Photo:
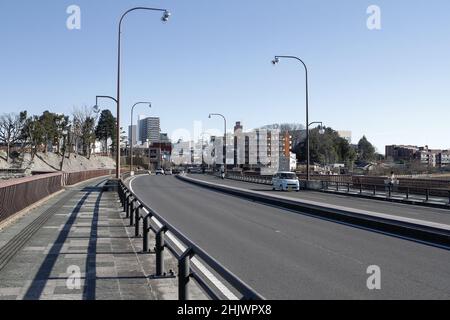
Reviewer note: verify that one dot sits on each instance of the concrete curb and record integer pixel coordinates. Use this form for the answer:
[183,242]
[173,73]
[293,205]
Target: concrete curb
[394,200]
[418,230]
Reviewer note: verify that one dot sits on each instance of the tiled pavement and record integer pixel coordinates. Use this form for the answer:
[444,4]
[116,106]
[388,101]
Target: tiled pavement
[83,252]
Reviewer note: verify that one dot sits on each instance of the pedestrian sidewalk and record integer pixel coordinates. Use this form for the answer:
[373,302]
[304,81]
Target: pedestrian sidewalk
[76,246]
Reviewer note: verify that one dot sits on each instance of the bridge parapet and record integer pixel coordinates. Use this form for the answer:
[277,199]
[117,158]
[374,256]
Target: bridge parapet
[18,194]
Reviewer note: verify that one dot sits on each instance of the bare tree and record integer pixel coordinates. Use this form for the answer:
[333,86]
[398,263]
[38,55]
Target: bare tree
[11,126]
[84,120]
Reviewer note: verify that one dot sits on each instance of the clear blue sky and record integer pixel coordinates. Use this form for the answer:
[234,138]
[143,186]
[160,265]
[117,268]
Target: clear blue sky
[393,85]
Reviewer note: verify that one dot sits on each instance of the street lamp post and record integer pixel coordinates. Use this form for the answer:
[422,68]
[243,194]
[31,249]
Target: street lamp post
[276,61]
[131,128]
[165,18]
[224,139]
[97,110]
[65,133]
[322,128]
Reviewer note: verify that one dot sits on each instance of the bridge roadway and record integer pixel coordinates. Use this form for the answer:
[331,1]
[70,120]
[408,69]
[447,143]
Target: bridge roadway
[393,208]
[287,255]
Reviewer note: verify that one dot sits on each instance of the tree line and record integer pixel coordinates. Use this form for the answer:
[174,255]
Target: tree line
[57,132]
[329,148]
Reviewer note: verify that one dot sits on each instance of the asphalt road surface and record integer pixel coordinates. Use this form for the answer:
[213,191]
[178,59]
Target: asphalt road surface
[287,255]
[393,208]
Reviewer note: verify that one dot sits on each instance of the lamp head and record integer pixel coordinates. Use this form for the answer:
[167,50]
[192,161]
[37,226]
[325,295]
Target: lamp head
[322,130]
[209,116]
[166,16]
[275,61]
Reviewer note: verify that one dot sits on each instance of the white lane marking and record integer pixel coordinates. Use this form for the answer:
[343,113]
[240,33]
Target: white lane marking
[212,278]
[131,184]
[219,285]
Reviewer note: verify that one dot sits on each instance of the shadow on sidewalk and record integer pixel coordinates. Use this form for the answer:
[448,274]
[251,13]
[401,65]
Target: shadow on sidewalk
[38,284]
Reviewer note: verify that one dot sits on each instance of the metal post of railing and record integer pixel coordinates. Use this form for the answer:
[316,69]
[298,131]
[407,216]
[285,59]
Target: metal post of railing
[124,197]
[348,187]
[375,190]
[184,274]
[390,191]
[159,250]
[428,194]
[121,193]
[131,211]
[360,188]
[337,186]
[407,193]
[136,219]
[449,197]
[145,231]
[127,204]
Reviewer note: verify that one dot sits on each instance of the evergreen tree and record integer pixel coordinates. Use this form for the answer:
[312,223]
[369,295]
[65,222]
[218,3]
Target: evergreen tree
[106,128]
[327,148]
[366,151]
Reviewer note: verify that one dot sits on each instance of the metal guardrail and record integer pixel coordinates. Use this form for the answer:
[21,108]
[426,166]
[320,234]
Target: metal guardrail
[251,179]
[191,258]
[390,191]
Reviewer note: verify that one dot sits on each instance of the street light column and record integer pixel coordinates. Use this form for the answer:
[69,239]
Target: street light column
[164,18]
[97,108]
[276,61]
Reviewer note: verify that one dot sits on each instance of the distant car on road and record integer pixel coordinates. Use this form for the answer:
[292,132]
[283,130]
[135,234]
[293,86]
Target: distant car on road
[159,172]
[168,172]
[195,170]
[286,181]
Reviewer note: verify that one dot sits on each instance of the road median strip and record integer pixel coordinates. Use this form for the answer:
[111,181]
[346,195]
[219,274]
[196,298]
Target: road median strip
[419,230]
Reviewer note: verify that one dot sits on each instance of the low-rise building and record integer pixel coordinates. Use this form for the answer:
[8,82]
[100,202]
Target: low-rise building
[424,155]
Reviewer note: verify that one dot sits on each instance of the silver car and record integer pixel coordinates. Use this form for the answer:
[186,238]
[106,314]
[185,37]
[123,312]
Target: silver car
[285,181]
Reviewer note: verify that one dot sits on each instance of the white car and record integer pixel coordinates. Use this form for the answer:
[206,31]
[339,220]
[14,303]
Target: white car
[159,172]
[286,181]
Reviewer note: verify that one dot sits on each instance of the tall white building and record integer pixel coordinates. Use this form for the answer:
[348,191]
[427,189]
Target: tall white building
[345,134]
[132,135]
